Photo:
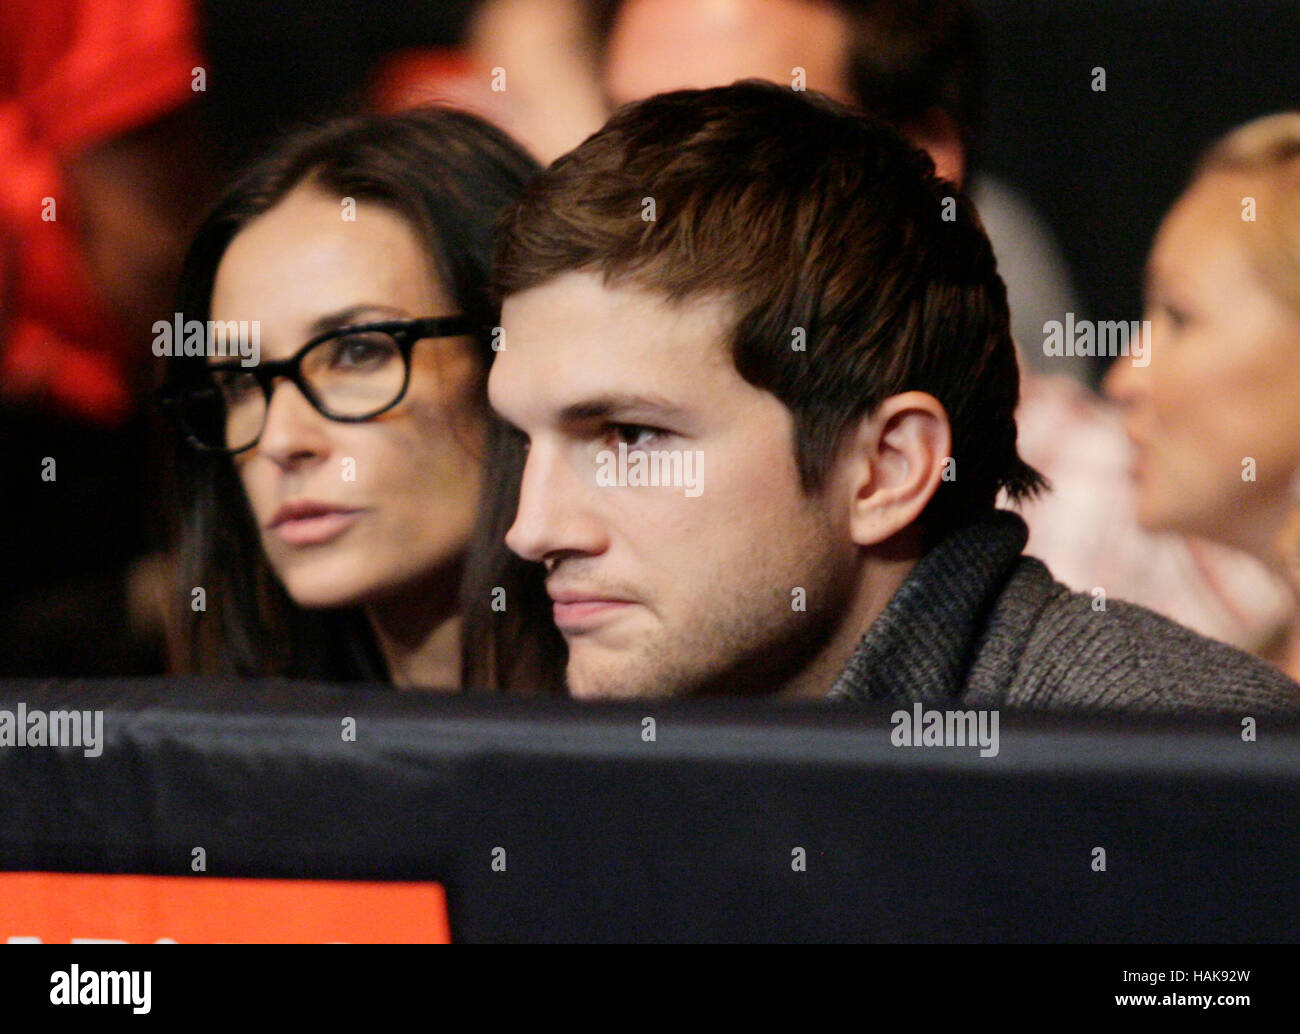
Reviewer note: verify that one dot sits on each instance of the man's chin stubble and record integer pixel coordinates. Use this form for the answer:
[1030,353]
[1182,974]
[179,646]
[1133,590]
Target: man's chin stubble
[762,673]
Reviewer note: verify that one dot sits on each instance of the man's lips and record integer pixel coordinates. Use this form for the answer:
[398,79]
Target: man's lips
[575,612]
[311,523]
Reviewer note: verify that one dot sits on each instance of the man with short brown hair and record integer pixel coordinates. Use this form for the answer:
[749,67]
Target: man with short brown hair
[762,360]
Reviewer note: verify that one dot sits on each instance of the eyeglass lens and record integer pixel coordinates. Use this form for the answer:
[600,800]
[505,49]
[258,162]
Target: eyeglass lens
[352,375]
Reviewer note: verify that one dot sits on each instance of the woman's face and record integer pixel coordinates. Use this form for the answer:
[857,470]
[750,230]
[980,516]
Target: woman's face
[404,485]
[1215,417]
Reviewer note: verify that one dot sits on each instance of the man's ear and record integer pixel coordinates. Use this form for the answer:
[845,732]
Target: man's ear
[893,465]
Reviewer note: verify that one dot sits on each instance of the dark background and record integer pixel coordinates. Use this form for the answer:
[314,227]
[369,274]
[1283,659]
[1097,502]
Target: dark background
[1104,167]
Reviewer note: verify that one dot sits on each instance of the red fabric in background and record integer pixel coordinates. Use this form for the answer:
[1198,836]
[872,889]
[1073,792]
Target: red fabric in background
[73,73]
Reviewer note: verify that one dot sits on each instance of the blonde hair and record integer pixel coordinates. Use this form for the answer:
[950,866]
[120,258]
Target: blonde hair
[1269,149]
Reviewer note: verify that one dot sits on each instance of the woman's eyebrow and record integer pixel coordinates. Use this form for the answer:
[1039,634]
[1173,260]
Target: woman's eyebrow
[354,314]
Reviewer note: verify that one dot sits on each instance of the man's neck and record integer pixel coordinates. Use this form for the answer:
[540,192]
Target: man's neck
[879,580]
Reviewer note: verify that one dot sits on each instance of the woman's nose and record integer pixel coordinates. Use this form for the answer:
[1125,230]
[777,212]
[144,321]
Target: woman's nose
[293,431]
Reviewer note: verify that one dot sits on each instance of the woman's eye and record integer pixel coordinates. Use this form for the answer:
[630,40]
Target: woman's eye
[236,387]
[362,351]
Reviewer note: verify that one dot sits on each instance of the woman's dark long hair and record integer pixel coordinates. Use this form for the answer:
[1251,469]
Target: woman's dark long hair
[448,174]
[509,642]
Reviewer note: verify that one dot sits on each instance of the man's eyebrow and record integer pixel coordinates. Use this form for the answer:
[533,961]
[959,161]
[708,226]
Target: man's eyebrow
[363,313]
[603,407]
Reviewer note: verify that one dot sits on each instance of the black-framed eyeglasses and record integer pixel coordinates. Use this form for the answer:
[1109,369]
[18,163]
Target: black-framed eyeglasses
[349,374]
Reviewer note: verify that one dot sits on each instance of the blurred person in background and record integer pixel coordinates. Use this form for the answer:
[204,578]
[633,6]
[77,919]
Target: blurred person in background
[549,71]
[529,66]
[918,63]
[1215,417]
[329,490]
[106,169]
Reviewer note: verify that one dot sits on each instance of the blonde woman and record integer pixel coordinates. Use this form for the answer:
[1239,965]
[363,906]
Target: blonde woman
[1215,417]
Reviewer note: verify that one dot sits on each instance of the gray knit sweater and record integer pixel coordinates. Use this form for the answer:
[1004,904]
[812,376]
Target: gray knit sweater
[978,625]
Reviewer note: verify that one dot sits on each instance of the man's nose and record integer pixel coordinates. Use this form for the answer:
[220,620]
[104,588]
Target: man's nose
[555,517]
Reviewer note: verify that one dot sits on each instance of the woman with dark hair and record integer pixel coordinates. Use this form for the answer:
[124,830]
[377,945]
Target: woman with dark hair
[331,465]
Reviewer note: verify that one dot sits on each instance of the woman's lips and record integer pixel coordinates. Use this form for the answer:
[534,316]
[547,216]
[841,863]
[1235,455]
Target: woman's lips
[315,529]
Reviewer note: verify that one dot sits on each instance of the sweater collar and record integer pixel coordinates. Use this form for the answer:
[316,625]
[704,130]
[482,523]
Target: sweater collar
[923,642]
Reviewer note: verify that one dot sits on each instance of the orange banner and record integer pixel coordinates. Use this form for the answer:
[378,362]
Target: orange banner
[76,908]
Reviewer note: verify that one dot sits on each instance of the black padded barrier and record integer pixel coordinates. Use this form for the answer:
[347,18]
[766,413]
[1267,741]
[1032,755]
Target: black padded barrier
[606,834]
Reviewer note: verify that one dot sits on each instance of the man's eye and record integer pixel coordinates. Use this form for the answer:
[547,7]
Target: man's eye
[633,435]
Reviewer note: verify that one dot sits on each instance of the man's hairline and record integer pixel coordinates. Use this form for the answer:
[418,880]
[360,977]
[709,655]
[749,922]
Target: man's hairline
[614,278]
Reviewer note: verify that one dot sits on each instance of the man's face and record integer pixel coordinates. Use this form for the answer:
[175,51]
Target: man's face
[662,589]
